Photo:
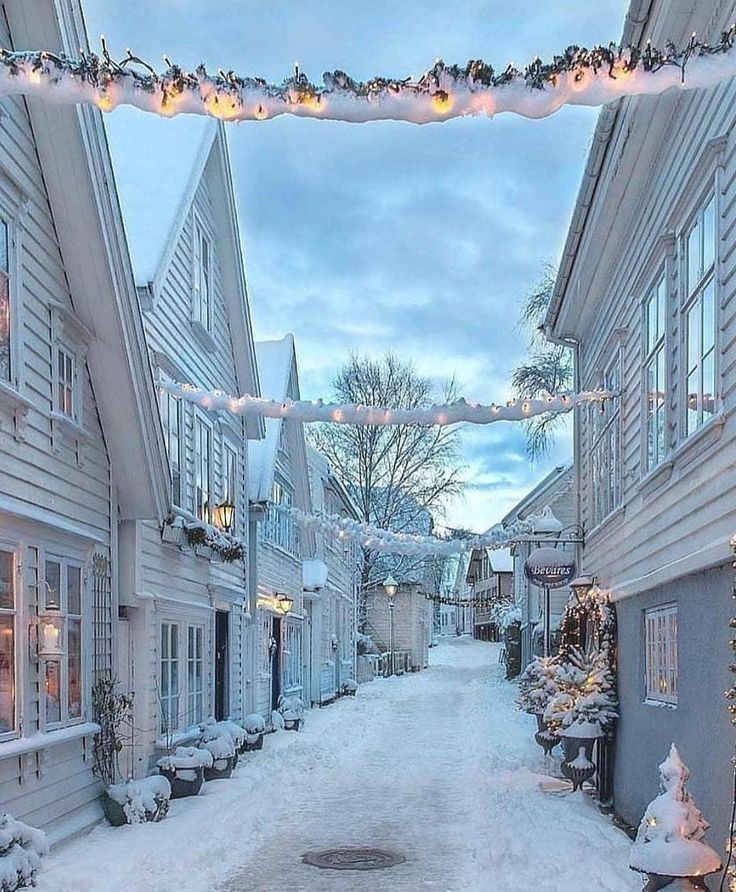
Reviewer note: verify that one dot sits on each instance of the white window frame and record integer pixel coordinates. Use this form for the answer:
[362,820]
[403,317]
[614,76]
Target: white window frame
[660,654]
[202,285]
[693,302]
[230,478]
[201,496]
[279,527]
[12,204]
[291,658]
[655,376]
[174,441]
[195,679]
[14,613]
[66,383]
[604,454]
[169,703]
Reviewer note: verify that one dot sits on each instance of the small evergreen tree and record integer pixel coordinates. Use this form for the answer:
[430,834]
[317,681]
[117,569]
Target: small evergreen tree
[538,684]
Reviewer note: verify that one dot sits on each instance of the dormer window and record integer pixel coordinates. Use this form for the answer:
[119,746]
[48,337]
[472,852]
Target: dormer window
[65,382]
[202,284]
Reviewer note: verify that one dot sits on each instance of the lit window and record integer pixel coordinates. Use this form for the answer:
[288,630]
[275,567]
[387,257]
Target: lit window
[605,458]
[661,653]
[169,679]
[699,320]
[202,468]
[7,642]
[63,676]
[202,296]
[5,319]
[655,382]
[65,377]
[171,419]
[195,675]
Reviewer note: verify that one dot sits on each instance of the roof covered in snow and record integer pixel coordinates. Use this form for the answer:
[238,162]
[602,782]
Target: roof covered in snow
[501,560]
[157,163]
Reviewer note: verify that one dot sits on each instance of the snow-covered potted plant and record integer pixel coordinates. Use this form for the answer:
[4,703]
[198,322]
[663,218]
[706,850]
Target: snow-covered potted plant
[669,843]
[112,711]
[21,850]
[292,712]
[212,729]
[222,748]
[537,686]
[349,688]
[139,801]
[184,770]
[255,728]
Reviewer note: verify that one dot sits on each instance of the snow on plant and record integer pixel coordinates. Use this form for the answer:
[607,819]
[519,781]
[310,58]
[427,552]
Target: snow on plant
[212,729]
[21,850]
[350,686]
[221,746]
[587,694]
[277,720]
[538,684]
[669,841]
[291,708]
[254,724]
[186,758]
[143,800]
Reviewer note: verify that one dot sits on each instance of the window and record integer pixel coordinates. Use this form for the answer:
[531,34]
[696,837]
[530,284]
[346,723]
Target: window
[661,653]
[279,525]
[265,639]
[292,657]
[699,320]
[202,296]
[7,642]
[5,319]
[171,418]
[169,681]
[65,378]
[195,675]
[655,377]
[63,678]
[202,468]
[229,474]
[605,459]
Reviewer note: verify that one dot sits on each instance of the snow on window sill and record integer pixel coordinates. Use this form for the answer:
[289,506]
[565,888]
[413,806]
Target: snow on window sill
[44,739]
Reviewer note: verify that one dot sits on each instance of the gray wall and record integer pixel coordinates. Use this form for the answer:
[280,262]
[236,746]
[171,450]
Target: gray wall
[699,725]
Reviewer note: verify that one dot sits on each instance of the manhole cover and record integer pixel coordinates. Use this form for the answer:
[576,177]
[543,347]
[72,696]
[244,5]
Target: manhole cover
[353,859]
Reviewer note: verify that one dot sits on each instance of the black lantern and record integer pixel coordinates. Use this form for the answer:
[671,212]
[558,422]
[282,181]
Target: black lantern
[224,515]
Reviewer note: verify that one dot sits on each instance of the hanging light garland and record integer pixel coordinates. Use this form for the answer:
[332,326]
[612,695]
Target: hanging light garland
[577,76]
[309,412]
[448,600]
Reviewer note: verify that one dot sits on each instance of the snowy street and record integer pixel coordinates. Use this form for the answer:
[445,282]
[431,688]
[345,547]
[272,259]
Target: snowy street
[438,766]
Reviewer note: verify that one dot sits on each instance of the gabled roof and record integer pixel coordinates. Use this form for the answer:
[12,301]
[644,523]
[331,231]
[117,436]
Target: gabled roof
[279,377]
[159,165]
[77,171]
[556,483]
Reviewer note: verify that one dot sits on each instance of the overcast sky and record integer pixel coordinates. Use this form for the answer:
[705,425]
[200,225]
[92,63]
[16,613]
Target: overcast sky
[387,236]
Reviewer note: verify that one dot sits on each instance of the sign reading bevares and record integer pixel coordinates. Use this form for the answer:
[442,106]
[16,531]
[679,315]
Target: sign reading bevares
[549,567]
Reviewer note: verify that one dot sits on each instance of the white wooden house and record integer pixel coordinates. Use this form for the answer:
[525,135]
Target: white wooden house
[279,481]
[186,646]
[645,293]
[556,492]
[331,581]
[79,440]
[489,575]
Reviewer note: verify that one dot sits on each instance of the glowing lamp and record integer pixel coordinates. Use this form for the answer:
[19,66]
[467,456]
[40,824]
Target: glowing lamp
[51,637]
[580,588]
[284,604]
[224,515]
[390,586]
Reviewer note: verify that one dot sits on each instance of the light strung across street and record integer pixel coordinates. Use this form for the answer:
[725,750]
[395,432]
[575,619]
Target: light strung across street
[578,76]
[316,411]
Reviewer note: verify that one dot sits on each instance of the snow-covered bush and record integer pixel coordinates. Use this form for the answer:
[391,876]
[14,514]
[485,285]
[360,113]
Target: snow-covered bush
[21,850]
[669,841]
[291,708]
[365,644]
[212,729]
[221,746]
[586,697]
[254,724]
[186,758]
[142,800]
[350,687]
[538,684]
[277,720]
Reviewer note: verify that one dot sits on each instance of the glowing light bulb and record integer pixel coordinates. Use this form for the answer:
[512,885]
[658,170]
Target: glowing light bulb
[105,104]
[261,113]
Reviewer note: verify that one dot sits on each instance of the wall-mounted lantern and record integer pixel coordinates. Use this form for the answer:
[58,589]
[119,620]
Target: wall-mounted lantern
[223,515]
[284,604]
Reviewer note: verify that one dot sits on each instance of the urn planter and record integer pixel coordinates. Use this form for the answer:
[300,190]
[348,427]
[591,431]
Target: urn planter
[252,742]
[113,811]
[545,737]
[184,781]
[221,769]
[578,741]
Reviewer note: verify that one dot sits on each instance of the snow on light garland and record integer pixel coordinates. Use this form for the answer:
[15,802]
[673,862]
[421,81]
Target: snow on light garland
[578,76]
[309,412]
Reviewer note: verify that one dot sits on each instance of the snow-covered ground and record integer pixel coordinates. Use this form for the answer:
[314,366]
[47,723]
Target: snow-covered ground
[438,765]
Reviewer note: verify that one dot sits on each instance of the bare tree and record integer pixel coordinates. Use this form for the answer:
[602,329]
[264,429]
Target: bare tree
[398,475]
[547,369]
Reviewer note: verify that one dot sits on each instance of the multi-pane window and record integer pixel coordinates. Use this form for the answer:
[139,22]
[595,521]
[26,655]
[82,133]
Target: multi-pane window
[7,642]
[279,526]
[265,641]
[202,296]
[655,372]
[229,474]
[660,636]
[65,376]
[169,677]
[699,317]
[63,675]
[5,310]
[195,675]
[292,657]
[202,468]
[605,451]
[171,418]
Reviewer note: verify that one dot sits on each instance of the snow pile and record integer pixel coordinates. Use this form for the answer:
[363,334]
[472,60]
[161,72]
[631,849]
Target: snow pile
[669,841]
[142,800]
[538,684]
[21,850]
[186,757]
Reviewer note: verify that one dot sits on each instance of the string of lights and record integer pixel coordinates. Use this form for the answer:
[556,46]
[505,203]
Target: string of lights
[317,411]
[448,600]
[577,76]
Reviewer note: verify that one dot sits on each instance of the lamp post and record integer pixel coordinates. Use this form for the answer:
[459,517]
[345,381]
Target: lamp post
[390,586]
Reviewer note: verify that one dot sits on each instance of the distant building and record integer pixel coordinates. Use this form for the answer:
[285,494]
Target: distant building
[405,628]
[489,577]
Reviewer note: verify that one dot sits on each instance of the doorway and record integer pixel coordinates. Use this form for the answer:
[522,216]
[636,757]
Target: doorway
[222,659]
[276,662]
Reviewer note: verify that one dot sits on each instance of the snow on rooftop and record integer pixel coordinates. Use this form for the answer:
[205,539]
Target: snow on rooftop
[501,560]
[155,160]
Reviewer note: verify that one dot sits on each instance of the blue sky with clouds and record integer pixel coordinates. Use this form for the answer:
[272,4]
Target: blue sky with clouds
[421,240]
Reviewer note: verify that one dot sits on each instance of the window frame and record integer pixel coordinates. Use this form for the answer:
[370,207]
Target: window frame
[604,429]
[654,350]
[692,300]
[71,387]
[165,716]
[15,614]
[12,204]
[202,474]
[195,715]
[202,304]
[661,658]
[166,401]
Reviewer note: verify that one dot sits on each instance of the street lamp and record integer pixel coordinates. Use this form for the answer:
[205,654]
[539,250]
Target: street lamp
[390,586]
[224,515]
[284,604]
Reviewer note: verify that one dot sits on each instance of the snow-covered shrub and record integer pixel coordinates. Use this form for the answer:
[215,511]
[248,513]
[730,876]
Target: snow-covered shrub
[221,747]
[538,684]
[277,720]
[142,800]
[350,687]
[21,850]
[212,729]
[365,644]
[254,724]
[669,841]
[291,708]
[586,698]
[186,757]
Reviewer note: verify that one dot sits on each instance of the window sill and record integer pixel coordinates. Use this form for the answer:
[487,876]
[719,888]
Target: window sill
[616,516]
[656,478]
[15,405]
[203,336]
[699,442]
[659,704]
[63,427]
[45,739]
